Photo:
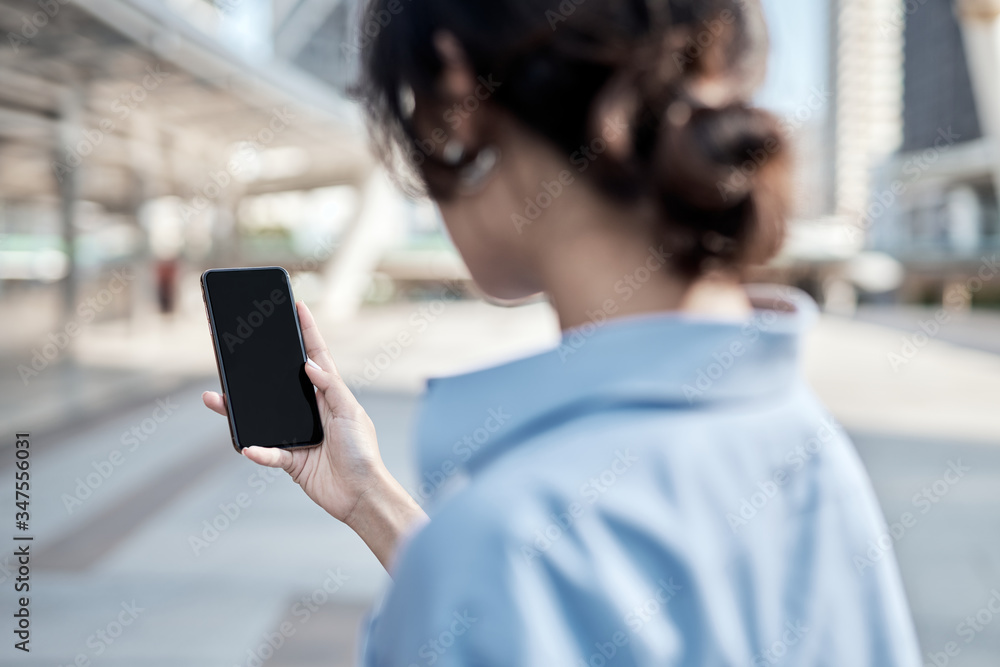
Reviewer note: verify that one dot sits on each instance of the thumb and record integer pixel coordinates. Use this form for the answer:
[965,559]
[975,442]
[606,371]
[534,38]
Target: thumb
[272,457]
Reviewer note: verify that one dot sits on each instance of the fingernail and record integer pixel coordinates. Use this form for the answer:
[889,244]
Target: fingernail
[313,364]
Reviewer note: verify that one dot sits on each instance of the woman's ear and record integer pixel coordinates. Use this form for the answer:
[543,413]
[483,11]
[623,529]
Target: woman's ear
[614,110]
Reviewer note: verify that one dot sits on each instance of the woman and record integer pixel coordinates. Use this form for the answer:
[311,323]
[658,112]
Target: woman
[662,488]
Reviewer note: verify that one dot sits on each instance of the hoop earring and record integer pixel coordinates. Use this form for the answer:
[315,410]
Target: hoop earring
[474,174]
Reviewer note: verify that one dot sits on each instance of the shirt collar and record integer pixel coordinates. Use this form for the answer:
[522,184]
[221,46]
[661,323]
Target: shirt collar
[664,359]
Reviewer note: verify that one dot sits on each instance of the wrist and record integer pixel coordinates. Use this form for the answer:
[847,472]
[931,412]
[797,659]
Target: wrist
[382,514]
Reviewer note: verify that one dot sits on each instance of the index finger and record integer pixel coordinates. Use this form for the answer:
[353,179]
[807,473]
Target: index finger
[315,345]
[215,402]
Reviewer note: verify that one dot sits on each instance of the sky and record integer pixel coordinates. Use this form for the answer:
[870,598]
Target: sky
[799,60]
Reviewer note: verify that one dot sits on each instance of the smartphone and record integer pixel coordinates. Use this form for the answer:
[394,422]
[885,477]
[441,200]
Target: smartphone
[261,358]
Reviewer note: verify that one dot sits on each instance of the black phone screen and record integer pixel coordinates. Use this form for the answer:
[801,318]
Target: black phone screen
[254,322]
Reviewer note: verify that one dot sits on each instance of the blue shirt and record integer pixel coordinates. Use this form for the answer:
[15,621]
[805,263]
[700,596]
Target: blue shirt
[658,490]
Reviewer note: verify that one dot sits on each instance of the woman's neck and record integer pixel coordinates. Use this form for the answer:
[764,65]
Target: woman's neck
[592,276]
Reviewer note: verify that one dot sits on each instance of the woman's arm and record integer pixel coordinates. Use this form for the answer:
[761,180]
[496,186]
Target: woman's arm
[345,474]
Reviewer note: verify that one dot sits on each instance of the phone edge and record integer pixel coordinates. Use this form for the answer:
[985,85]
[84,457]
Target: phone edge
[218,358]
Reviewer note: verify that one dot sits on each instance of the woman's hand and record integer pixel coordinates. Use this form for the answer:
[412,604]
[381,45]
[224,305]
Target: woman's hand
[345,474]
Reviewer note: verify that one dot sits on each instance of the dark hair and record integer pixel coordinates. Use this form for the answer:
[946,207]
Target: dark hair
[680,72]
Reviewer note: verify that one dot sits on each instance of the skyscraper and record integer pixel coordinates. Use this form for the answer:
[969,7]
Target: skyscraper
[868,61]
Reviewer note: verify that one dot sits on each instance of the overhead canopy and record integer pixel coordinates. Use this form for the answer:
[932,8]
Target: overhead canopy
[134,101]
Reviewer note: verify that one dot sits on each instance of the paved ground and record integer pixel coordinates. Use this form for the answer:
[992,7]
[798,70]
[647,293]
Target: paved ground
[979,330]
[132,539]
[215,552]
[950,553]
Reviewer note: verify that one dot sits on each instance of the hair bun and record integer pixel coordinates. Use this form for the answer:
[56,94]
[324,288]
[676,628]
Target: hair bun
[716,170]
[711,157]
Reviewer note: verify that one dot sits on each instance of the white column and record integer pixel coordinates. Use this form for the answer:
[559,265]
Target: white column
[379,225]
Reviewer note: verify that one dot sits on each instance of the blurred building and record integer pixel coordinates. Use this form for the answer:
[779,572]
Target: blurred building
[933,203]
[912,149]
[837,152]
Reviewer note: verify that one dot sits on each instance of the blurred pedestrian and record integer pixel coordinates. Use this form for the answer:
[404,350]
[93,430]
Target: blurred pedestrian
[166,284]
